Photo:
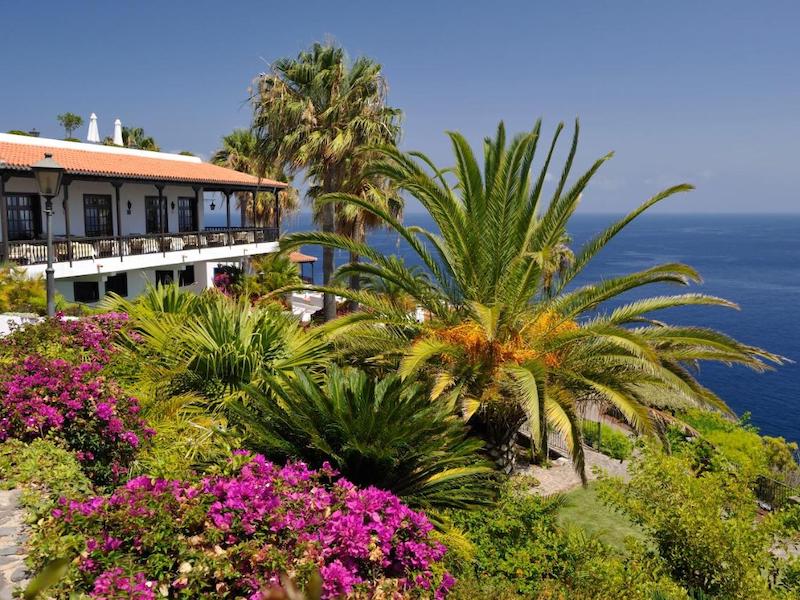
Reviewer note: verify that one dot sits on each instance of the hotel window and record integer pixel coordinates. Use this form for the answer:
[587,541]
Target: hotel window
[86,291]
[187,214]
[24,216]
[164,277]
[152,222]
[186,277]
[117,284]
[97,218]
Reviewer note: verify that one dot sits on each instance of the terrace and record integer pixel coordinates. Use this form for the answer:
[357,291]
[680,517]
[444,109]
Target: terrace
[137,207]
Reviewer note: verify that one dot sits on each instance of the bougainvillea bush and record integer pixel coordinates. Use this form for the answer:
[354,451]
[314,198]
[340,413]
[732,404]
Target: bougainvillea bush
[76,340]
[234,533]
[56,399]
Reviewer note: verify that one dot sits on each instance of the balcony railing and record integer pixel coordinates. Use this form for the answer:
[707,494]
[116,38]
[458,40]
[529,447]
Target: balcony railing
[34,252]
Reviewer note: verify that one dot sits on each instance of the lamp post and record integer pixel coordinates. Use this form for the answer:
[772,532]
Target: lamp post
[48,174]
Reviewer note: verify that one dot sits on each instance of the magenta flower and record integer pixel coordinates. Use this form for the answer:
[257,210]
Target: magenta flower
[76,404]
[246,526]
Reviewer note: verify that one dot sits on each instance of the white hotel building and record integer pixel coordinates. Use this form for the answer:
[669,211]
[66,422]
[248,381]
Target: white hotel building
[126,217]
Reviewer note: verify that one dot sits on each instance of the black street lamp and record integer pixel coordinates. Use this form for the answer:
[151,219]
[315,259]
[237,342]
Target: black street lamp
[48,174]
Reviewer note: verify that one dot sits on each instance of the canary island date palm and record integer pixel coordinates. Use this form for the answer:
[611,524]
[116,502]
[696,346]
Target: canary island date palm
[313,113]
[510,335]
[240,152]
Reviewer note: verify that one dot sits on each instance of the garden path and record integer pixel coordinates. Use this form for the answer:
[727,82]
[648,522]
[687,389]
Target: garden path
[561,477]
[12,539]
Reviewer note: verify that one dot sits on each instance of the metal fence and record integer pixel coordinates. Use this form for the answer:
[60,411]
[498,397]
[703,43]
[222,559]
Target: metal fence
[773,493]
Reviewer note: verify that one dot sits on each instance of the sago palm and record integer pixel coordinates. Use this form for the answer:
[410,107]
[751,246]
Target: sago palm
[508,337]
[313,113]
[381,432]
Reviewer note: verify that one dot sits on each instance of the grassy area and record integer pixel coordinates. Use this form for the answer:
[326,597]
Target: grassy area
[585,510]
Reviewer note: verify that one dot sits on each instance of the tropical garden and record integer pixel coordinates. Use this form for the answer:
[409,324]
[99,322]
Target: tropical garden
[180,445]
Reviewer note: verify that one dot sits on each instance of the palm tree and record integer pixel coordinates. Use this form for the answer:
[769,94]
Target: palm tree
[210,345]
[240,152]
[315,112]
[354,222]
[134,137]
[507,341]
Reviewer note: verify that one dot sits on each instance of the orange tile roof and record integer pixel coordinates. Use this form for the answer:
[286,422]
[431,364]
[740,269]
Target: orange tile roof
[127,165]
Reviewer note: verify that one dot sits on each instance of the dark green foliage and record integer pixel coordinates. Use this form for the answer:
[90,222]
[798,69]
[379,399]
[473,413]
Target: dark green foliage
[384,433]
[70,122]
[135,137]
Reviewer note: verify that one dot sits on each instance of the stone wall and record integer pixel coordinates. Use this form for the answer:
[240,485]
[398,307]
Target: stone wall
[12,541]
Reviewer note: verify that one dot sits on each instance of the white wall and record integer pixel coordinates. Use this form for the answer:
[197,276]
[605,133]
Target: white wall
[134,192]
[140,268]
[138,279]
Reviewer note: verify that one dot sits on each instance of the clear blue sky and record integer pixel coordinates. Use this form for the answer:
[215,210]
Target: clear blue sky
[706,92]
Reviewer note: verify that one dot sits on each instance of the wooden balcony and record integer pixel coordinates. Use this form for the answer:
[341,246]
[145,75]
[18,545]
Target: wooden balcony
[34,252]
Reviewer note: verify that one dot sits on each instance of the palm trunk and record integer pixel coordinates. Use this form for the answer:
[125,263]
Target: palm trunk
[542,449]
[499,428]
[502,454]
[328,223]
[355,279]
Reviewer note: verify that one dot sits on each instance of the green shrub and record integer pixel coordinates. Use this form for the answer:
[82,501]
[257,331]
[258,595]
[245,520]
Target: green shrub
[613,442]
[45,471]
[705,526]
[20,293]
[381,432]
[521,552]
[726,444]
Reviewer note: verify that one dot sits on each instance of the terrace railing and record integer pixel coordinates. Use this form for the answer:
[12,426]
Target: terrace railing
[34,252]
[773,493]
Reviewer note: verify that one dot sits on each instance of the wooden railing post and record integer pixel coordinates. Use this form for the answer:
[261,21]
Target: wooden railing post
[117,186]
[227,216]
[4,216]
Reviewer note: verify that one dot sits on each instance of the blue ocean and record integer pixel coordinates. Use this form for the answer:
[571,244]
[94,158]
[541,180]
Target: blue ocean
[753,260]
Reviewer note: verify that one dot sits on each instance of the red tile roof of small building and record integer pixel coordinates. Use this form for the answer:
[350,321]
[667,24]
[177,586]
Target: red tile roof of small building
[299,257]
[115,162]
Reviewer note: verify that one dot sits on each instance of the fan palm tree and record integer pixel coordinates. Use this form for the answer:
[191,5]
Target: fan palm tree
[134,137]
[240,152]
[314,112]
[211,345]
[507,340]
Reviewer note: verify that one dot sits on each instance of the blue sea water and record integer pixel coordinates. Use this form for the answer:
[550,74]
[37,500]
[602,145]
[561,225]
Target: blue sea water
[753,260]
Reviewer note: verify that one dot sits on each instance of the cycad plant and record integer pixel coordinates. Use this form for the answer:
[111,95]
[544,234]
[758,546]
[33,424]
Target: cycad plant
[380,432]
[508,338]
